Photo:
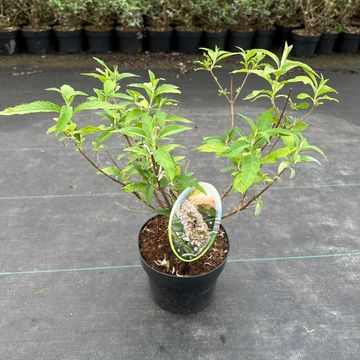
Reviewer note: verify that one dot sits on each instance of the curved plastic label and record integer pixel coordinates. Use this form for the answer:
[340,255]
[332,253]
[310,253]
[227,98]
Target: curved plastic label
[194,222]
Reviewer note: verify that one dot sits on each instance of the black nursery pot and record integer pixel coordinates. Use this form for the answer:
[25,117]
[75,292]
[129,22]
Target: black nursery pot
[326,43]
[159,41]
[129,42]
[37,42]
[8,42]
[263,39]
[212,39]
[69,41]
[188,41]
[99,41]
[304,46]
[347,43]
[241,39]
[182,295]
[284,34]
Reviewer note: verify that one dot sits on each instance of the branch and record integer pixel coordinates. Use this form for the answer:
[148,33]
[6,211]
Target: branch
[219,85]
[243,207]
[109,176]
[226,191]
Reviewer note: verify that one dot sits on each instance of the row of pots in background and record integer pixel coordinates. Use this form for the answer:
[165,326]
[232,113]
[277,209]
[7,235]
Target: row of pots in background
[182,41]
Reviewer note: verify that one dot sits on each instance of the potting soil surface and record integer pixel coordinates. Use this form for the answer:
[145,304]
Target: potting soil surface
[71,284]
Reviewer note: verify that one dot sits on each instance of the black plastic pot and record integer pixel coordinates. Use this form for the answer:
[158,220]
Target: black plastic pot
[212,39]
[326,43]
[241,39]
[37,42]
[99,41]
[283,34]
[8,42]
[159,41]
[263,39]
[188,41]
[129,42]
[181,295]
[304,46]
[347,43]
[69,41]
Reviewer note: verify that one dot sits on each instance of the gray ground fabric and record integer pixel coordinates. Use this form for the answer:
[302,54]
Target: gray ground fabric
[279,298]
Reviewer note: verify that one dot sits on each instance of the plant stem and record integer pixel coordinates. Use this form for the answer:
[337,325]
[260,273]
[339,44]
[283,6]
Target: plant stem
[243,207]
[219,85]
[232,102]
[226,191]
[109,176]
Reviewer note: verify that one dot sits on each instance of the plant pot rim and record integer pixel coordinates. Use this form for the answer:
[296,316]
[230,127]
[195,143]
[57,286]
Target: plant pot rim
[9,29]
[94,28]
[298,32]
[194,30]
[244,31]
[128,30]
[34,30]
[169,276]
[157,30]
[61,28]
[223,31]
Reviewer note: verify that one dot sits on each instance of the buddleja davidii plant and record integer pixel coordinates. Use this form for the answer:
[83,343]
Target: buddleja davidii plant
[146,165]
[275,141]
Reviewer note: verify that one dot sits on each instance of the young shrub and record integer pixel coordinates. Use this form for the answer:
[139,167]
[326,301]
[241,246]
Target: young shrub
[69,14]
[187,14]
[159,14]
[128,15]
[213,15]
[262,16]
[287,13]
[10,15]
[100,14]
[37,14]
[257,150]
[239,15]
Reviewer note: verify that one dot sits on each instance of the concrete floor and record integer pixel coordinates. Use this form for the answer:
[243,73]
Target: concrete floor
[70,282]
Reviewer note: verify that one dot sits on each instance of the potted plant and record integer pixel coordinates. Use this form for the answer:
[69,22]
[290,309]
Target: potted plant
[186,20]
[39,17]
[159,16]
[99,28]
[305,40]
[213,22]
[263,21]
[9,27]
[349,39]
[287,18]
[69,15]
[257,151]
[238,20]
[130,25]
[329,26]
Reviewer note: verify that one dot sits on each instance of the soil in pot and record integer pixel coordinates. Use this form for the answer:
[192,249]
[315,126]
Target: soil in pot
[159,41]
[188,42]
[326,43]
[170,288]
[347,43]
[241,39]
[129,42]
[99,40]
[8,41]
[214,38]
[69,41]
[304,44]
[37,40]
[263,39]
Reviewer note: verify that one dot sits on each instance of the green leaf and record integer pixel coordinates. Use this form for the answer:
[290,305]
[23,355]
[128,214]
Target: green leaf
[94,105]
[266,119]
[212,147]
[172,129]
[303,96]
[131,131]
[164,212]
[249,169]
[277,154]
[135,187]
[164,159]
[300,126]
[33,107]
[149,193]
[167,89]
[90,129]
[63,119]
[178,119]
[308,158]
[259,205]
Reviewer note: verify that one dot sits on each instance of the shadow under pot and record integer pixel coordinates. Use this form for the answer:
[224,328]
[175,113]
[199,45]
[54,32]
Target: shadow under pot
[37,41]
[263,39]
[304,45]
[326,43]
[69,41]
[214,38]
[242,39]
[159,41]
[347,43]
[129,42]
[181,294]
[99,41]
[188,42]
[9,41]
